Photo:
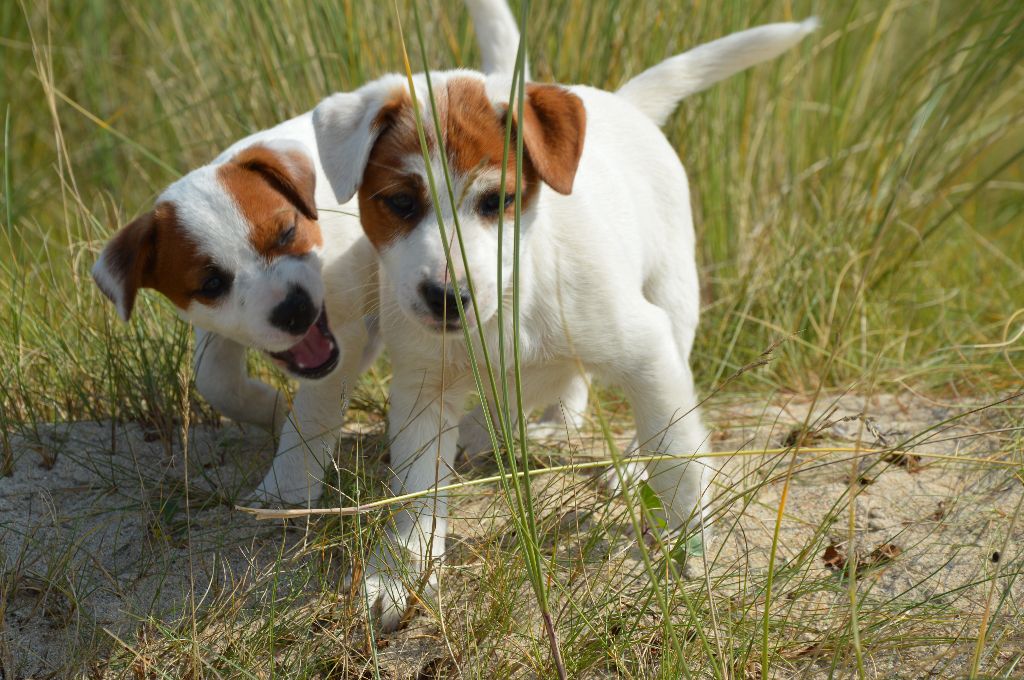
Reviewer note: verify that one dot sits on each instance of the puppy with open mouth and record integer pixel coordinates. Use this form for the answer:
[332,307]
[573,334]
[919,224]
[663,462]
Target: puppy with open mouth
[255,252]
[608,278]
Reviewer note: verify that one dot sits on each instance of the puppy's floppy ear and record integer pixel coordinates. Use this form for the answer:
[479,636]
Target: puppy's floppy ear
[347,124]
[288,167]
[123,265]
[554,125]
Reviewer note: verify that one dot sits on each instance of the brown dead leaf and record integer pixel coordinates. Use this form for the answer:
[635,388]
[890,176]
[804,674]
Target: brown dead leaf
[749,671]
[833,558]
[798,436]
[802,652]
[910,461]
[884,553]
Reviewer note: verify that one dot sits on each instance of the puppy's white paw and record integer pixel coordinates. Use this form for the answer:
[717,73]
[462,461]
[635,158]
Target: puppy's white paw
[632,475]
[387,598]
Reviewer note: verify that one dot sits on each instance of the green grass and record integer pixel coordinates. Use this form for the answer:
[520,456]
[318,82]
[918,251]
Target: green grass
[862,197]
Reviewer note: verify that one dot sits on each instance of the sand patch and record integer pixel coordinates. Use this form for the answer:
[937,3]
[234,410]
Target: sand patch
[109,540]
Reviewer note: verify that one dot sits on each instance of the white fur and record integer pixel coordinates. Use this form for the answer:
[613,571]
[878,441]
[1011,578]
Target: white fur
[495,21]
[351,115]
[658,90]
[217,227]
[608,282]
[111,283]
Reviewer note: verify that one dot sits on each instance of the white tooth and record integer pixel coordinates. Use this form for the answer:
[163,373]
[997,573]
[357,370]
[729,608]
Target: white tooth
[301,365]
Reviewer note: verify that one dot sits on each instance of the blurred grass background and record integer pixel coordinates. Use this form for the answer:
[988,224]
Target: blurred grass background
[862,195]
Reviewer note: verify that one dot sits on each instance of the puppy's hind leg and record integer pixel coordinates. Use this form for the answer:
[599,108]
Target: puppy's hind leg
[676,291]
[567,415]
[561,419]
[660,388]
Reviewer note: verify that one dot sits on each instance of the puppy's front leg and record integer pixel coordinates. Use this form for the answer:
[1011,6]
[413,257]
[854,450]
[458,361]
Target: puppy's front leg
[566,416]
[422,432]
[223,379]
[310,435]
[307,443]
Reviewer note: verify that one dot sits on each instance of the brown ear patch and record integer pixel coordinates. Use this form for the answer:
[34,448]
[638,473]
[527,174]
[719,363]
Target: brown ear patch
[175,267]
[392,112]
[473,131]
[125,259]
[554,126]
[153,251]
[475,138]
[275,200]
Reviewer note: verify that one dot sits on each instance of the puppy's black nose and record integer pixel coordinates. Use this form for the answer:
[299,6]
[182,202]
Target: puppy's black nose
[439,297]
[296,313]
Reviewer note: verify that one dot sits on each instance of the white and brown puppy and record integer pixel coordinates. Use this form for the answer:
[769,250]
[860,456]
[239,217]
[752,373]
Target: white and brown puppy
[255,252]
[608,276]
[238,247]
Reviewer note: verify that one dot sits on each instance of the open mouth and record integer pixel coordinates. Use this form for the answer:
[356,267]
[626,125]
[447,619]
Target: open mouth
[439,326]
[450,323]
[314,356]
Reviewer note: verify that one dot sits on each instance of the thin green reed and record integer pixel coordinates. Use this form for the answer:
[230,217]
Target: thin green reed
[519,485]
[532,546]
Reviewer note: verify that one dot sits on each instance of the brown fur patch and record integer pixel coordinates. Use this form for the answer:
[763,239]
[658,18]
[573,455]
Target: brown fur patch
[175,266]
[127,255]
[274,194]
[384,175]
[154,251]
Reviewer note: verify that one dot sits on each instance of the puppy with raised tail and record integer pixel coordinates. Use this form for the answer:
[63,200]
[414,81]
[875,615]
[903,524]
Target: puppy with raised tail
[607,273]
[255,252]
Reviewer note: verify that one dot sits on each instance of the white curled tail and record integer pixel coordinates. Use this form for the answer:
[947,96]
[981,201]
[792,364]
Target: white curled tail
[497,34]
[658,90]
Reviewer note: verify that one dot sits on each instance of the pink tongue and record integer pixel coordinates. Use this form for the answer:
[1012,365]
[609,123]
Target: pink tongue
[312,351]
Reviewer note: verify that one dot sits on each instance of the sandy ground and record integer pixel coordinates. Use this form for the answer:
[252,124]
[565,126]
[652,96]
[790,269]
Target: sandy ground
[96,536]
[100,533]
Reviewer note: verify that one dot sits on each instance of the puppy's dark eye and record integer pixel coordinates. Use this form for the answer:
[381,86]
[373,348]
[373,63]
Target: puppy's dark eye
[402,205]
[489,203]
[286,237]
[216,284]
